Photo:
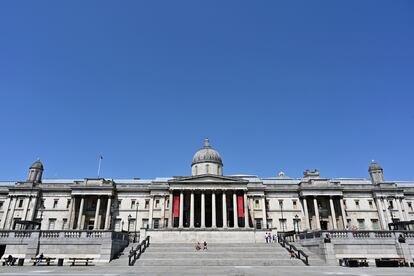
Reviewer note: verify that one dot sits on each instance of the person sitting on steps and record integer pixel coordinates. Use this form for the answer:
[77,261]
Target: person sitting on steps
[198,246]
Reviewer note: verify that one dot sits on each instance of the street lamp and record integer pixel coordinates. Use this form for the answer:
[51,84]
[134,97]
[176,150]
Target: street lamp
[41,210]
[129,221]
[281,210]
[135,226]
[392,217]
[296,219]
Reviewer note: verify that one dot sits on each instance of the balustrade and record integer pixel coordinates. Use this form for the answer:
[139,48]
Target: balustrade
[356,234]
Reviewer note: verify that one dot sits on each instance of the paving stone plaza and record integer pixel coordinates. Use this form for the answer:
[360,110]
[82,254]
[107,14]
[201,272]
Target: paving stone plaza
[210,270]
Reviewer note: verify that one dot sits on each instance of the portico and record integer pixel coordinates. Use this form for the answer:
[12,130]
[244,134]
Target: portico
[90,205]
[209,202]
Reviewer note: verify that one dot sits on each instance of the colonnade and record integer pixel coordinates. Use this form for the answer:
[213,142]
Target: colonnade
[332,212]
[215,194]
[80,223]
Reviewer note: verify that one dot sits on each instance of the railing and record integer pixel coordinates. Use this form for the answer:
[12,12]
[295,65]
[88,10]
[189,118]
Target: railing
[359,235]
[299,254]
[62,234]
[134,254]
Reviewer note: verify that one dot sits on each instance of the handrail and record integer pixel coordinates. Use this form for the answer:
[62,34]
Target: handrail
[291,248]
[136,253]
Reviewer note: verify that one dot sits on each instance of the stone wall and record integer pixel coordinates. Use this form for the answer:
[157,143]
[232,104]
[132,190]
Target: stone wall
[335,245]
[103,246]
[211,236]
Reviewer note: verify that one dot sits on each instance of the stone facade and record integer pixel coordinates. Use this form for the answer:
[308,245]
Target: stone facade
[207,200]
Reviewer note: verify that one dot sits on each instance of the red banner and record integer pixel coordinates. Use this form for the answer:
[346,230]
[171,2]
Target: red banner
[176,206]
[240,206]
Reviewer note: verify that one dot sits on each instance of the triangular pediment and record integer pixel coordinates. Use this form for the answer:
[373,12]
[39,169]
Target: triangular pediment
[207,178]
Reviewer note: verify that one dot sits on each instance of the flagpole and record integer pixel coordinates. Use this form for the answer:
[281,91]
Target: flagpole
[99,166]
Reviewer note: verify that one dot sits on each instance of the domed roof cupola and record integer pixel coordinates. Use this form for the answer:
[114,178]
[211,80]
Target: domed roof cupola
[35,172]
[376,173]
[207,154]
[207,161]
[37,165]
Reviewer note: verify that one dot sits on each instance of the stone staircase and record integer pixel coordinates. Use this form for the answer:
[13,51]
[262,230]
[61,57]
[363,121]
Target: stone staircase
[314,259]
[219,254]
[122,259]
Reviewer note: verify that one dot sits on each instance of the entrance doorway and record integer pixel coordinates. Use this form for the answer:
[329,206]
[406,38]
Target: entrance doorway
[324,225]
[2,250]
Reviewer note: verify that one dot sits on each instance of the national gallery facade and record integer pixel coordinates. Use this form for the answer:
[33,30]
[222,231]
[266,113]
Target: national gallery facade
[206,200]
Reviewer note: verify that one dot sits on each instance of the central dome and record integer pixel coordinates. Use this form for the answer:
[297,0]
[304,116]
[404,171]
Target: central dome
[207,154]
[207,161]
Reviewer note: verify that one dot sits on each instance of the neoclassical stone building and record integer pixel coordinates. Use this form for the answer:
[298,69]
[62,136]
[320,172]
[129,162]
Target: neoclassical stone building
[207,200]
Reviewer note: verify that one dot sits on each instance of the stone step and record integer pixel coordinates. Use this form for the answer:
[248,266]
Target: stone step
[214,255]
[226,245]
[210,249]
[219,262]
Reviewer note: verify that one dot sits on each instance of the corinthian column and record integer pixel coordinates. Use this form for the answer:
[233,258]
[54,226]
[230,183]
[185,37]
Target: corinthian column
[213,210]
[192,209]
[235,217]
[224,203]
[246,210]
[98,206]
[181,219]
[203,209]
[79,226]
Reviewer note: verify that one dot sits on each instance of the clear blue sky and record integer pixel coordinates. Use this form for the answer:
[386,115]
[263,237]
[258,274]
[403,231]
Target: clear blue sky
[275,86]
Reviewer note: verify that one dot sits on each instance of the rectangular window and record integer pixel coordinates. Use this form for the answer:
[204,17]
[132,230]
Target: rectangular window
[55,203]
[156,223]
[269,224]
[20,203]
[295,203]
[157,203]
[282,223]
[133,204]
[361,224]
[410,206]
[258,223]
[64,223]
[145,223]
[52,222]
[375,224]
[119,203]
[357,204]
[131,224]
[348,224]
[147,203]
[371,205]
[257,204]
[68,203]
[117,224]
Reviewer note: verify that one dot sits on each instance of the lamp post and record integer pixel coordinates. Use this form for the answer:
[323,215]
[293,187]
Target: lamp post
[392,217]
[135,225]
[41,209]
[296,219]
[281,210]
[129,221]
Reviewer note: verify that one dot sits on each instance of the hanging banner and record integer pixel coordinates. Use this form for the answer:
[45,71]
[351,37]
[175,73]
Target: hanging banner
[240,206]
[176,206]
